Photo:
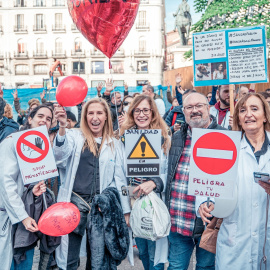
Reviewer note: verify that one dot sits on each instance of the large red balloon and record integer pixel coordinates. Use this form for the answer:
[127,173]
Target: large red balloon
[71,91]
[105,23]
[59,219]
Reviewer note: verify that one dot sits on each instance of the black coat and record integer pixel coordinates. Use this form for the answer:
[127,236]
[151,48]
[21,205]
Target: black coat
[177,147]
[7,126]
[107,232]
[25,240]
[180,116]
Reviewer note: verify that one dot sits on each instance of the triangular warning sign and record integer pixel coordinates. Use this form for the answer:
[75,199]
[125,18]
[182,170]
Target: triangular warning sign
[143,150]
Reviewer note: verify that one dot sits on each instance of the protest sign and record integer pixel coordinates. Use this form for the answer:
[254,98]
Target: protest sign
[143,152]
[213,163]
[231,56]
[35,156]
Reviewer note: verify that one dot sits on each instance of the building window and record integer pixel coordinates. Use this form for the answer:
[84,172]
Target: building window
[78,45]
[40,46]
[117,67]
[39,22]
[118,83]
[58,3]
[142,44]
[19,21]
[20,3]
[40,69]
[78,68]
[58,21]
[97,67]
[58,46]
[142,66]
[142,82]
[142,18]
[21,46]
[2,70]
[95,83]
[21,69]
[40,3]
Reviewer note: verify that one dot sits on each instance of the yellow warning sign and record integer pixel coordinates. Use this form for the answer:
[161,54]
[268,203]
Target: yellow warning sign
[143,150]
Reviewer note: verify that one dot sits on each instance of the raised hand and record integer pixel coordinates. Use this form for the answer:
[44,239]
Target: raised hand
[109,85]
[178,78]
[60,114]
[100,86]
[42,95]
[15,94]
[126,86]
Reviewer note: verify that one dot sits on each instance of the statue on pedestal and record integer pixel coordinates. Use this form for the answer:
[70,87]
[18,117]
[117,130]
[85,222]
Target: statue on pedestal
[183,22]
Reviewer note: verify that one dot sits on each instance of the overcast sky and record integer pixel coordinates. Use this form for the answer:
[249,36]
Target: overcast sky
[171,7]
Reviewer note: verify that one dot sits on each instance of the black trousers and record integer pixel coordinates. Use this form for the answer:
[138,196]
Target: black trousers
[74,247]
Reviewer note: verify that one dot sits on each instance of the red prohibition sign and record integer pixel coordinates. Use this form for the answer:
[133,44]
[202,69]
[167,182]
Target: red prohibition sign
[215,163]
[22,140]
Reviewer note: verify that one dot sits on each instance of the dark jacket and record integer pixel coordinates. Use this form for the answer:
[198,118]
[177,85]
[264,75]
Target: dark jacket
[23,239]
[180,116]
[107,232]
[177,147]
[7,126]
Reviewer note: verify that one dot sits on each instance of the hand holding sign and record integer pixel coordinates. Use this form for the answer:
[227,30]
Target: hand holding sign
[39,188]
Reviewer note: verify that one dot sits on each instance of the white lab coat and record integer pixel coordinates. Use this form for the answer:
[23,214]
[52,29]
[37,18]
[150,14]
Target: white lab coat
[241,235]
[162,246]
[67,160]
[11,190]
[161,106]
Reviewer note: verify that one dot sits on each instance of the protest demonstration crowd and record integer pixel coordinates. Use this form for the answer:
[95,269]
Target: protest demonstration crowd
[105,177]
[88,143]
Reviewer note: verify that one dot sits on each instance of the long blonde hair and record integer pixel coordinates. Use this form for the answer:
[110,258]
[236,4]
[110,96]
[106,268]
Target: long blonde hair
[242,102]
[107,132]
[8,111]
[157,121]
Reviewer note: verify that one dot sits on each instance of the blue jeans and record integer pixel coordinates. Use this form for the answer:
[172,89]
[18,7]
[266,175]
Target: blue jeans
[27,263]
[180,251]
[147,250]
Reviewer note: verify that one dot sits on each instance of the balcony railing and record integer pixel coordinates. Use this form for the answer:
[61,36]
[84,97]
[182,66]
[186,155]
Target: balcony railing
[76,71]
[142,53]
[40,55]
[59,54]
[74,27]
[78,53]
[20,3]
[97,53]
[20,29]
[143,26]
[40,72]
[38,28]
[19,55]
[58,3]
[59,28]
[39,3]
[21,72]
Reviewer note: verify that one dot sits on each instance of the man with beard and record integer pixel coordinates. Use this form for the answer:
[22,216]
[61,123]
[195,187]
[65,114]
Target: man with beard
[186,229]
[221,110]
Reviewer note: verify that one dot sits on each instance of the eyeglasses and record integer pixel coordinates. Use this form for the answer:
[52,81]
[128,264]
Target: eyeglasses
[197,106]
[145,111]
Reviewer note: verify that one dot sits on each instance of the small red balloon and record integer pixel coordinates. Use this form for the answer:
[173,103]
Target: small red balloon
[71,91]
[59,219]
[105,24]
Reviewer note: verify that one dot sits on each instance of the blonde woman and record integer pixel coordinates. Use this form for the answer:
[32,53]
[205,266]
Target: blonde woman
[8,111]
[143,114]
[89,162]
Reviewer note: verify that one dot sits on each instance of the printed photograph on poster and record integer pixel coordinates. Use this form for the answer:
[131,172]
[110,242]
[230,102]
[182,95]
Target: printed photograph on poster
[203,72]
[219,71]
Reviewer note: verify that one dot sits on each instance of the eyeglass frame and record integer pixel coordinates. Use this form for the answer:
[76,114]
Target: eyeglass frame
[141,111]
[192,107]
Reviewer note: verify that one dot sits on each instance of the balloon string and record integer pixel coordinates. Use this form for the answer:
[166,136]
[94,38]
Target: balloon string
[116,109]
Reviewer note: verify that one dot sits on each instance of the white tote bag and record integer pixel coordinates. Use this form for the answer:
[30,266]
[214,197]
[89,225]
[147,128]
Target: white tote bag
[150,218]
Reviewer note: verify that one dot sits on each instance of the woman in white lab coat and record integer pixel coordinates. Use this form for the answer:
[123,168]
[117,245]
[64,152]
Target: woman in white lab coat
[244,237]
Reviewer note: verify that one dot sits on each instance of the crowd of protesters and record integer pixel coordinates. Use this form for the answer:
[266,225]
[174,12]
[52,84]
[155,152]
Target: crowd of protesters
[88,142]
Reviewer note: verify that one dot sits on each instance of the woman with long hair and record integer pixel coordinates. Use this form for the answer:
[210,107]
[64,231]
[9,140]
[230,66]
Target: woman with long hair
[244,236]
[143,114]
[88,162]
[12,208]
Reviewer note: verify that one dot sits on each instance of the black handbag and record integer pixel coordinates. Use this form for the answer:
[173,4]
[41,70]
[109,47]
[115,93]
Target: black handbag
[84,209]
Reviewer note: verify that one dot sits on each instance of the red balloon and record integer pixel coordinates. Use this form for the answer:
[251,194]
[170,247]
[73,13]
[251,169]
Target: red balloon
[71,91]
[59,219]
[105,24]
